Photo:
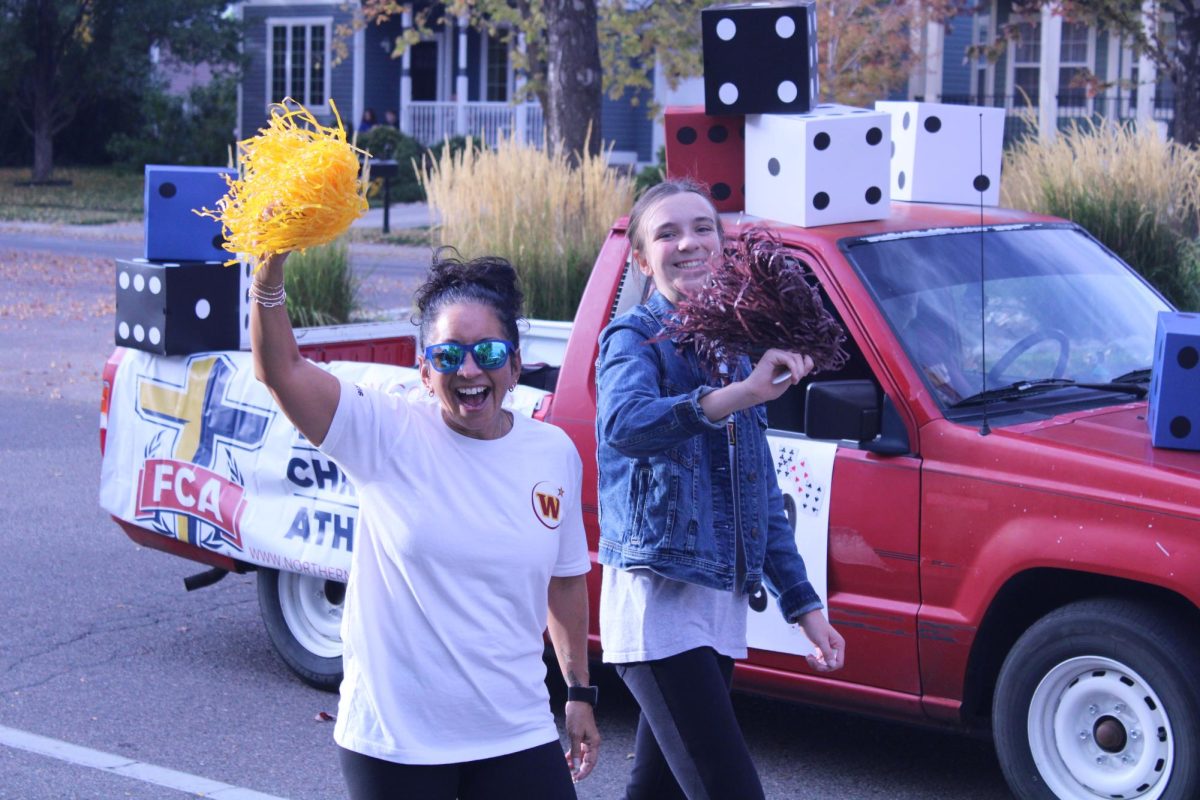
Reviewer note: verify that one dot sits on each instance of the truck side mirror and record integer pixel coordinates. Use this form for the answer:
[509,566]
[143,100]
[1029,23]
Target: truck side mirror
[856,410]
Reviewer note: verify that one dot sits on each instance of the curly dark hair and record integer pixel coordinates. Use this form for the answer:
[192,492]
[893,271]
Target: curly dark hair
[489,280]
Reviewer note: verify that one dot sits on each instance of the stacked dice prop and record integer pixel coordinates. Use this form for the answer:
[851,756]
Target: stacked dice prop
[1175,383]
[180,308]
[710,150]
[945,153]
[173,231]
[760,58]
[820,168]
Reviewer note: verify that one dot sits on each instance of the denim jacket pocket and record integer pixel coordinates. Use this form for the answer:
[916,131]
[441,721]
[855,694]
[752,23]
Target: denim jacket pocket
[638,492]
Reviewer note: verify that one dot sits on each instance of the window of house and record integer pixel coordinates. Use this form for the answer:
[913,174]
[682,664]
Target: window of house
[1073,62]
[1027,59]
[299,62]
[496,70]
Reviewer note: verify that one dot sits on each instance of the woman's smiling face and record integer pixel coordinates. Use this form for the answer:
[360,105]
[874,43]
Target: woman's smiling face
[681,242]
[470,396]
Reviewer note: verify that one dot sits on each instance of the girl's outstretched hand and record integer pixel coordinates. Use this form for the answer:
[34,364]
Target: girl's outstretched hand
[830,646]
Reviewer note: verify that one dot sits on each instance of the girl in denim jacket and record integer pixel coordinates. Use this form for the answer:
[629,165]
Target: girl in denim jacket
[692,522]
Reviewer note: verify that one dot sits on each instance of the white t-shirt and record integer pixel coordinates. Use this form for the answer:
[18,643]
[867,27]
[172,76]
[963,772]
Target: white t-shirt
[456,541]
[645,617]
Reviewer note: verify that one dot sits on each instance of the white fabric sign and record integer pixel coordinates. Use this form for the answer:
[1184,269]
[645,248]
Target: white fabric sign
[804,469]
[197,450]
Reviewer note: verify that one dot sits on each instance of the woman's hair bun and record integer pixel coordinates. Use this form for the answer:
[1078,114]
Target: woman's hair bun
[490,273]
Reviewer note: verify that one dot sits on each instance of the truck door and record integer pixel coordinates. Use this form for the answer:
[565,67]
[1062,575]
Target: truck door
[871,542]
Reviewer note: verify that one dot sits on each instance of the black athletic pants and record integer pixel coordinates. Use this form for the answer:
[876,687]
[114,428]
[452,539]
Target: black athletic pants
[539,772]
[689,744]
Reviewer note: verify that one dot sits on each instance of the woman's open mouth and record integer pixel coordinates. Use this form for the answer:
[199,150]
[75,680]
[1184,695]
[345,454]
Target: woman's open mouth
[472,397]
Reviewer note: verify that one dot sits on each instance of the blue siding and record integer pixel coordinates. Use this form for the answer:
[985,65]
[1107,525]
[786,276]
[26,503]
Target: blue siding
[381,72]
[956,68]
[626,123]
[253,113]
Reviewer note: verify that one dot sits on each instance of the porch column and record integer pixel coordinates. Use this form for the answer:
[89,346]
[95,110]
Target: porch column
[1147,70]
[405,114]
[1048,74]
[460,80]
[520,122]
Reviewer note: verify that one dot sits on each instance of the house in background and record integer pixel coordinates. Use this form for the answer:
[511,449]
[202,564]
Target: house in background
[458,82]
[1038,72]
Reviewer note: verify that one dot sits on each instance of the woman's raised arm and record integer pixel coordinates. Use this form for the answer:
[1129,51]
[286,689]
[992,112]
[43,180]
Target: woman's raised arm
[307,394]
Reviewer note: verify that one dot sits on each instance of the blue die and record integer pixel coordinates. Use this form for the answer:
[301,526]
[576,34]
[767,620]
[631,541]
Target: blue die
[1175,383]
[173,231]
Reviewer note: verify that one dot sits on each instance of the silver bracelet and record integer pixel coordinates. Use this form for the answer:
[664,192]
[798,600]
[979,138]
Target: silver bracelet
[268,297]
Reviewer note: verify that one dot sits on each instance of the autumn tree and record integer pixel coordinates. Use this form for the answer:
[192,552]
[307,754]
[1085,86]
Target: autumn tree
[865,47]
[1169,35]
[58,55]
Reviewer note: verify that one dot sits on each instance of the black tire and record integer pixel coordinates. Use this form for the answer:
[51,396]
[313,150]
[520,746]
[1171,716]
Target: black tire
[1080,690]
[303,616]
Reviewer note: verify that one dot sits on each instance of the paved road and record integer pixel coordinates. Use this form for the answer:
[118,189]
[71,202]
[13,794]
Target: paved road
[101,648]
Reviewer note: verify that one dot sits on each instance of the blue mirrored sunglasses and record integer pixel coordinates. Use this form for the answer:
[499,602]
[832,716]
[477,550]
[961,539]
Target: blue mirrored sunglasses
[488,354]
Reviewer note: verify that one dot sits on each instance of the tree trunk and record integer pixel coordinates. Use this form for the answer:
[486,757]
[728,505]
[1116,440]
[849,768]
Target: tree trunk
[573,76]
[1187,76]
[43,94]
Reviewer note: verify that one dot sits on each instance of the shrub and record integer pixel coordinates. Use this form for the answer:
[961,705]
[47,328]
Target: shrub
[197,130]
[652,176]
[533,207]
[321,288]
[385,142]
[1136,193]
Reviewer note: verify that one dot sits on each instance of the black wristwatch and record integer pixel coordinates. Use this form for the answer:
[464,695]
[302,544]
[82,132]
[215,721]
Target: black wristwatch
[584,694]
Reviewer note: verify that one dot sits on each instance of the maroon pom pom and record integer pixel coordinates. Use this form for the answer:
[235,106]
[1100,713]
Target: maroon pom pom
[757,298]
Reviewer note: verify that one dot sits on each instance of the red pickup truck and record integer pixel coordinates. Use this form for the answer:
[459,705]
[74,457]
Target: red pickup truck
[975,490]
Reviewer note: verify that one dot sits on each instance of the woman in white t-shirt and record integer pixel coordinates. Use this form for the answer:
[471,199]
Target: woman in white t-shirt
[470,544]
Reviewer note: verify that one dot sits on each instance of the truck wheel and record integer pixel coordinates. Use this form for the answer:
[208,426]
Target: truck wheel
[303,615]
[1093,702]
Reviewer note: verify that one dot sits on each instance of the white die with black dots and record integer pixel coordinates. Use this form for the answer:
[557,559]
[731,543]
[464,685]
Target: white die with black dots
[820,168]
[760,58]
[945,153]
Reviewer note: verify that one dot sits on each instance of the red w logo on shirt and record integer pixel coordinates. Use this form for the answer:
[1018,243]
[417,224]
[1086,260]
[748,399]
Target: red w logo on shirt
[547,504]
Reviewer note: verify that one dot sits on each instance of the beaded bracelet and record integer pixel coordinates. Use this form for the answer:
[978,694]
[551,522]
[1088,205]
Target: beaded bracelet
[269,297]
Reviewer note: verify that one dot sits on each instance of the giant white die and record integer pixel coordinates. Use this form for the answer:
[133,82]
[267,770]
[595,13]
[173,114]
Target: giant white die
[760,57]
[820,168]
[945,153]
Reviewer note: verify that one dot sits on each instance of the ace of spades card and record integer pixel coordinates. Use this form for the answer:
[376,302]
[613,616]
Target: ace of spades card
[804,469]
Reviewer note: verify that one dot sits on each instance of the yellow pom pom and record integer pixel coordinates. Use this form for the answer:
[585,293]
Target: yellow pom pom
[298,186]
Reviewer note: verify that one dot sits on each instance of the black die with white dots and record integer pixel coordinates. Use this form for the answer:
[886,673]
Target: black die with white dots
[945,153]
[820,168]
[1174,415]
[178,308]
[760,58]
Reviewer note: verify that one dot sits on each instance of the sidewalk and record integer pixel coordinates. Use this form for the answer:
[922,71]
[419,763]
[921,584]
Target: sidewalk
[400,217]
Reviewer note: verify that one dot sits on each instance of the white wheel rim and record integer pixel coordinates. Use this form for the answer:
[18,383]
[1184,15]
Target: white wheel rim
[312,618]
[1097,729]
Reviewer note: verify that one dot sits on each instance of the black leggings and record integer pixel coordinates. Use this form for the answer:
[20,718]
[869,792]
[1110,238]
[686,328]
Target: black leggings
[689,744]
[539,772]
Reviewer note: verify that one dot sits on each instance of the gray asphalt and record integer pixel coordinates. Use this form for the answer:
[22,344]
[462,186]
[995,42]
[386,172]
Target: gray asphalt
[101,647]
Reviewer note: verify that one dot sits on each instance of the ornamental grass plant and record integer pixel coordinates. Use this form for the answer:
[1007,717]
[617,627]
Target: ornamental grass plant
[321,287]
[1135,192]
[545,214]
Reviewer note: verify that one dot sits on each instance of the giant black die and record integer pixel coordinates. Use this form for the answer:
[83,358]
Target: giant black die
[173,231]
[1175,382]
[945,153]
[821,168]
[180,308]
[760,58]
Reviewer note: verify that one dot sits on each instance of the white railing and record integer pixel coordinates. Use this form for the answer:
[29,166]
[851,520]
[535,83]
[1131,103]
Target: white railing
[431,122]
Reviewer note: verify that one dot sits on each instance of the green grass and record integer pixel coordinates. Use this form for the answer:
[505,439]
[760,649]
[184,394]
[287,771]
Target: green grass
[89,196]
[321,287]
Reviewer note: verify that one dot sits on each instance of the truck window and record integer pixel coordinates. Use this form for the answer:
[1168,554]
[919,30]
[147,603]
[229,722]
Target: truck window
[786,413]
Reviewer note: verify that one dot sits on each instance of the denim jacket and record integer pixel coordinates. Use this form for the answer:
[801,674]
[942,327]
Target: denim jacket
[666,494]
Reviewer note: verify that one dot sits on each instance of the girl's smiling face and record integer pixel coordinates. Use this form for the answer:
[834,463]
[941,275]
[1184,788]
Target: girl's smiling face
[680,243]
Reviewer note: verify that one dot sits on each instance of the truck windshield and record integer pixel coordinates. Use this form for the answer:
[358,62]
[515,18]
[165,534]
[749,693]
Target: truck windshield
[1054,307]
